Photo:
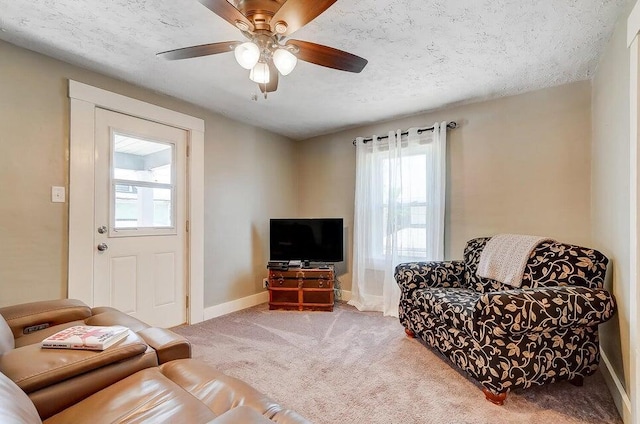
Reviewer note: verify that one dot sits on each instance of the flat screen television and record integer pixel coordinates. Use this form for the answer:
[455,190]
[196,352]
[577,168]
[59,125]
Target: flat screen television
[306,239]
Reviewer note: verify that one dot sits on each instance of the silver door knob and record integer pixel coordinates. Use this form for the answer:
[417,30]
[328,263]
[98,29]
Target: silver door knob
[103,229]
[102,247]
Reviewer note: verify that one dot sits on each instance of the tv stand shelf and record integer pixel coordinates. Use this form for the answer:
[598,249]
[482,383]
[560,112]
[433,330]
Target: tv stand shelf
[302,289]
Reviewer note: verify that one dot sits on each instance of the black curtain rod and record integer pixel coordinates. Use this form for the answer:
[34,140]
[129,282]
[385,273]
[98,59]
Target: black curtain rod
[451,125]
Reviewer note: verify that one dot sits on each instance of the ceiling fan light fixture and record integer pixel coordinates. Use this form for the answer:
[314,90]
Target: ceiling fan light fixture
[260,73]
[285,61]
[247,55]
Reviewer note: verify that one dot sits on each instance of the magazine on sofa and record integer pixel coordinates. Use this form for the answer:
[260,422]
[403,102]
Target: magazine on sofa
[88,337]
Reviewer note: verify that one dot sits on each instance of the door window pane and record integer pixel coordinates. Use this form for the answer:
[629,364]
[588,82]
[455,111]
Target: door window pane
[142,207]
[143,183]
[142,160]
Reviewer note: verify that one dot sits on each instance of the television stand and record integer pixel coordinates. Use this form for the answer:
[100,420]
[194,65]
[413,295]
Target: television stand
[302,289]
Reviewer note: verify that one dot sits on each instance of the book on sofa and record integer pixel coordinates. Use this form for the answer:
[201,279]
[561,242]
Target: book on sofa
[87,337]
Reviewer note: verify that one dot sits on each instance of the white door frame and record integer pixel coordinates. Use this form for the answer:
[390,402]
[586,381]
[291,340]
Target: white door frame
[633,42]
[84,100]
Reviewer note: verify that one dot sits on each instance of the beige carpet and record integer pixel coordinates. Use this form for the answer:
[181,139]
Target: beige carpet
[356,367]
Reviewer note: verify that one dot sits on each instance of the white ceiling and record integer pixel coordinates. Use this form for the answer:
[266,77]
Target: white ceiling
[423,54]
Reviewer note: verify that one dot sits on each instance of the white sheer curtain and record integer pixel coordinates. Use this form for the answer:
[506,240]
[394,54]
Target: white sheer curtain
[399,211]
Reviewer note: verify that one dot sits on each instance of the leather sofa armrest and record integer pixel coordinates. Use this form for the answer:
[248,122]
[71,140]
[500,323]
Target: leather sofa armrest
[533,310]
[169,346]
[419,275]
[28,318]
[32,367]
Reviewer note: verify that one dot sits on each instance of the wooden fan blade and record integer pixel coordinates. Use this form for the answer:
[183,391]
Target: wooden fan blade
[273,80]
[298,13]
[228,12]
[201,50]
[328,56]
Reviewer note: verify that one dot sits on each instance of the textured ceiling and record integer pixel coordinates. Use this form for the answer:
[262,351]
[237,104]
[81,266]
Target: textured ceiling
[423,54]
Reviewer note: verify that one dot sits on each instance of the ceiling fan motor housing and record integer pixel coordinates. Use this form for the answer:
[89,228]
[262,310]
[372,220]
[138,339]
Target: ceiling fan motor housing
[260,12]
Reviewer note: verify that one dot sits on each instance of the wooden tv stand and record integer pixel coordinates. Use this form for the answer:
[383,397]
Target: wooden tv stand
[302,289]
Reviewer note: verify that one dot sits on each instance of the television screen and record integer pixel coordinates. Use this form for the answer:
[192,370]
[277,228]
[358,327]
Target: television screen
[306,239]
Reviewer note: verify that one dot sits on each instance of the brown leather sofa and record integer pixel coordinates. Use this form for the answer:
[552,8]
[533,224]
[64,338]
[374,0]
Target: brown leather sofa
[144,378]
[56,379]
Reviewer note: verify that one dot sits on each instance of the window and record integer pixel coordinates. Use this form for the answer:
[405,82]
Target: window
[143,185]
[406,228]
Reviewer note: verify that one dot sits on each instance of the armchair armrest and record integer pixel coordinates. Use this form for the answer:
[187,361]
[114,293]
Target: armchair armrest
[532,310]
[28,318]
[419,275]
[33,368]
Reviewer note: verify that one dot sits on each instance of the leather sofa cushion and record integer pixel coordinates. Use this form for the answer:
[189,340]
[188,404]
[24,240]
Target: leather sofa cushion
[146,396]
[33,368]
[181,391]
[454,306]
[53,399]
[222,393]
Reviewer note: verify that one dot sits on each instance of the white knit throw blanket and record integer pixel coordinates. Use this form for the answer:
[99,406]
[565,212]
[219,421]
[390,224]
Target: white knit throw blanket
[505,257]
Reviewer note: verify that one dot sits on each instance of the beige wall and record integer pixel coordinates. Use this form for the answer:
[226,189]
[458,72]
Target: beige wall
[519,164]
[610,205]
[249,175]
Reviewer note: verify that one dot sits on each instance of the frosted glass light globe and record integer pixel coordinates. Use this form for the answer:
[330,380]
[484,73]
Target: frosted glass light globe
[260,73]
[247,54]
[285,61]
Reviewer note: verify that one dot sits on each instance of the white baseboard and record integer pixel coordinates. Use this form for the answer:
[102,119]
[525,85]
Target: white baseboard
[346,295]
[620,395]
[235,305]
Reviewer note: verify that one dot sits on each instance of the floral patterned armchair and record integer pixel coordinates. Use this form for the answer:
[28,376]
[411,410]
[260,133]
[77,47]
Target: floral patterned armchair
[508,338]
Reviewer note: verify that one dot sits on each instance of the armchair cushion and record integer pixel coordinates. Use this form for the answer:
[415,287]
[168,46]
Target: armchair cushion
[454,306]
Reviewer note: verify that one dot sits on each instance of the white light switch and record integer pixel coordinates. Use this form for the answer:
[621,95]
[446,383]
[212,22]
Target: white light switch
[57,194]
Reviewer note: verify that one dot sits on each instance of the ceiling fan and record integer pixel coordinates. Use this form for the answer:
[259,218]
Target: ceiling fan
[266,23]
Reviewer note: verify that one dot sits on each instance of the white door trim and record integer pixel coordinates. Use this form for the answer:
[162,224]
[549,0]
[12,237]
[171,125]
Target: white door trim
[84,100]
[633,28]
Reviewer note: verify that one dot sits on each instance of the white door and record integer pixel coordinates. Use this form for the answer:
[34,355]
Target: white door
[140,218]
